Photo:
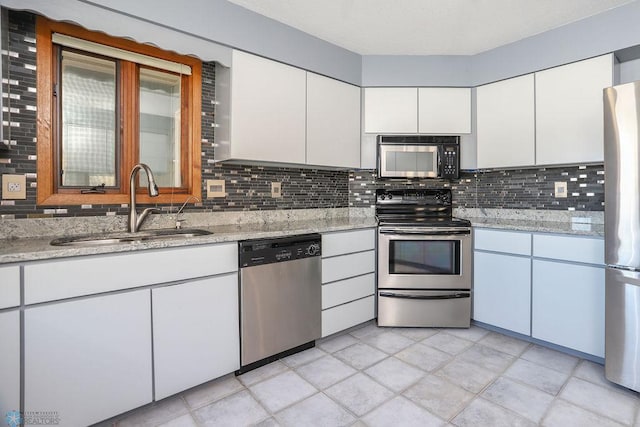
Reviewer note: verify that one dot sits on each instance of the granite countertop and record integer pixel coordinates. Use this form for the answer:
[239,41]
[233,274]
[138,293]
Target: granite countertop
[541,226]
[32,249]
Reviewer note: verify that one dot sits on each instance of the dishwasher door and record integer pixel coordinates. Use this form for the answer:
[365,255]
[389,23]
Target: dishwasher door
[280,307]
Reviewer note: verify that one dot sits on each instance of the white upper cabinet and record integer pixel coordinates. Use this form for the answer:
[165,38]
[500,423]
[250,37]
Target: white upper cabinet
[569,118]
[444,110]
[390,110]
[505,123]
[333,122]
[261,111]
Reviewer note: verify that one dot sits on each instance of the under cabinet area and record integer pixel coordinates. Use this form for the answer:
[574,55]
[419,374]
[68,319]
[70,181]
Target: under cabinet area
[88,359]
[194,340]
[348,279]
[547,286]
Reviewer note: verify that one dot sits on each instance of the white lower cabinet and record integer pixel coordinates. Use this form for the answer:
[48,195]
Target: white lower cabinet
[195,333]
[502,291]
[568,305]
[9,362]
[89,359]
[344,316]
[348,279]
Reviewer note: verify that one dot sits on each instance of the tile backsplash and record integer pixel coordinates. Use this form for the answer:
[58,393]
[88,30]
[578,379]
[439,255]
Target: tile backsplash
[249,187]
[508,189]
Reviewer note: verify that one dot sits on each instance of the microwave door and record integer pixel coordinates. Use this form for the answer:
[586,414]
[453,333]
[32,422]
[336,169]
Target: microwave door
[408,161]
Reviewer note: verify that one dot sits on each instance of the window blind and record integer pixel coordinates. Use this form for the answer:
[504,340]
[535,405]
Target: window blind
[115,52]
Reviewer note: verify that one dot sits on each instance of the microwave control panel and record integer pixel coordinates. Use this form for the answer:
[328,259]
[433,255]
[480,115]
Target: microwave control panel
[450,161]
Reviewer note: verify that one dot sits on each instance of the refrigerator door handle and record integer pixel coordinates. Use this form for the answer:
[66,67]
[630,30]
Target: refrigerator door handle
[426,297]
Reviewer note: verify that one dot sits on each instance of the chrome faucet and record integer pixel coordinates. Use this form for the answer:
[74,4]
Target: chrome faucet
[135,220]
[178,221]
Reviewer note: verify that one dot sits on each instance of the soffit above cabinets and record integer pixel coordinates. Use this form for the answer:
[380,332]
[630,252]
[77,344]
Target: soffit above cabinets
[426,27]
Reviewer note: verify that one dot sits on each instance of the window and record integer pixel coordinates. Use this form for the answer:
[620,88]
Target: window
[105,104]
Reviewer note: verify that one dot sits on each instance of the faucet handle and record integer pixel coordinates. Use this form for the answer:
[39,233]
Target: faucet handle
[179,223]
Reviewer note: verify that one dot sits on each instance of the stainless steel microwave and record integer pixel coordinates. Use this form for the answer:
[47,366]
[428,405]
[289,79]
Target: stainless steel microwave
[418,156]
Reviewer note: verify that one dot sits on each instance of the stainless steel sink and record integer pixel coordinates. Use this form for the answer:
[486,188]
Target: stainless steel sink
[119,238]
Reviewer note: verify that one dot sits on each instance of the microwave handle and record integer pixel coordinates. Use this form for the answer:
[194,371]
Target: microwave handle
[456,295]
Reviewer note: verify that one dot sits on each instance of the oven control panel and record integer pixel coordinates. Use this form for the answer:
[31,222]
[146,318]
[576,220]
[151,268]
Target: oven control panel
[450,162]
[414,197]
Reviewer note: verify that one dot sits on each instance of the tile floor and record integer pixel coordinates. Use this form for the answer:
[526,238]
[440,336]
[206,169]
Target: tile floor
[407,377]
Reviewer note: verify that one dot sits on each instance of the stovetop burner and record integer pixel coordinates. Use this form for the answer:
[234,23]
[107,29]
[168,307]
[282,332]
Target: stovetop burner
[421,207]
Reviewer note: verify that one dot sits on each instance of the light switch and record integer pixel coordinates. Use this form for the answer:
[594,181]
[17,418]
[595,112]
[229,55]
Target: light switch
[14,187]
[560,189]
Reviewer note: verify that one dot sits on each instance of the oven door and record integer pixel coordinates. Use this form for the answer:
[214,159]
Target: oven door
[424,258]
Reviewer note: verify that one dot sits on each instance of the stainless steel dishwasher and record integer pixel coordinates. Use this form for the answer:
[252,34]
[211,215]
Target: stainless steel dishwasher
[280,298]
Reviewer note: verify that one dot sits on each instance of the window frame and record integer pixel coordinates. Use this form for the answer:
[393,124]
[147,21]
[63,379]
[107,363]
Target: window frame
[47,72]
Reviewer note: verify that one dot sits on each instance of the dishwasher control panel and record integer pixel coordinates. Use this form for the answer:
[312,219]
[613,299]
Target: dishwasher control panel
[269,251]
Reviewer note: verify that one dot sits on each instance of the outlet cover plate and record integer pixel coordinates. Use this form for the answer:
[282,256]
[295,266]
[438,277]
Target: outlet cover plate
[215,188]
[276,189]
[560,189]
[14,187]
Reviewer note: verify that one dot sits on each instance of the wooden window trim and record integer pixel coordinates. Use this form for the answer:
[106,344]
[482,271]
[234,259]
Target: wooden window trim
[46,148]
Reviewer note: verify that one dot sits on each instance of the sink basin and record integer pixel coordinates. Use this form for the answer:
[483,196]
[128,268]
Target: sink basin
[117,238]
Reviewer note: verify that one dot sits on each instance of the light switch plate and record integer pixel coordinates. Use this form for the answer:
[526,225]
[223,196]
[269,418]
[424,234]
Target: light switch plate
[215,188]
[276,189]
[560,189]
[14,187]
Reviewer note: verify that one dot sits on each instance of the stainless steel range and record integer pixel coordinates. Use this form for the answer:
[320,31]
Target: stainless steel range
[424,260]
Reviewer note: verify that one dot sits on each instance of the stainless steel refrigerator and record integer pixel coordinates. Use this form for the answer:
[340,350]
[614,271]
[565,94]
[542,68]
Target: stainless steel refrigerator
[622,234]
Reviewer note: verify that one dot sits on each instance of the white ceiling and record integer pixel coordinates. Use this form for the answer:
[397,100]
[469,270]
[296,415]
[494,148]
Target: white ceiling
[426,27]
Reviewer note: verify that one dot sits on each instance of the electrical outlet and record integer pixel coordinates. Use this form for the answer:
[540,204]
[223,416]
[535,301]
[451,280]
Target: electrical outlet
[215,188]
[14,187]
[276,189]
[560,189]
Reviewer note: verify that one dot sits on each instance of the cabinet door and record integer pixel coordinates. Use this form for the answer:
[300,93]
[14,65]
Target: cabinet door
[268,107]
[333,122]
[9,362]
[502,291]
[9,286]
[569,118]
[444,110]
[89,359]
[505,123]
[390,110]
[195,333]
[568,305]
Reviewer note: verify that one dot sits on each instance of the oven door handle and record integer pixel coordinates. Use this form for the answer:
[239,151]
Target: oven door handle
[456,295]
[422,231]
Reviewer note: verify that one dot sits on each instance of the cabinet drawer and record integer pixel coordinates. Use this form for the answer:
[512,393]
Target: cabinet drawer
[345,242]
[345,266]
[568,248]
[343,291]
[47,281]
[344,316]
[9,286]
[503,241]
